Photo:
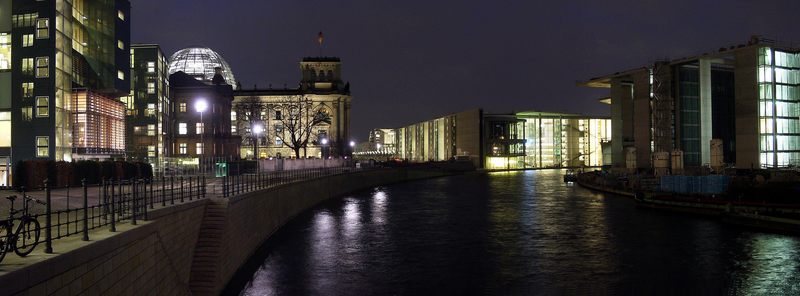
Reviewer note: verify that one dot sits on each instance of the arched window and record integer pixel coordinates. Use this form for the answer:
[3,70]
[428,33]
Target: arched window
[330,75]
[322,75]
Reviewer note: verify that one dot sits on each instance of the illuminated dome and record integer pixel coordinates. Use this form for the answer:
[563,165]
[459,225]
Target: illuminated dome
[199,62]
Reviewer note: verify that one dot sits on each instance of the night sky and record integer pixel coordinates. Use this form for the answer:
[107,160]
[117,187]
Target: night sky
[414,60]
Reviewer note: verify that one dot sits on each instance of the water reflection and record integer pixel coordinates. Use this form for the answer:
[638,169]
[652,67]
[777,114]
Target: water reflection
[516,233]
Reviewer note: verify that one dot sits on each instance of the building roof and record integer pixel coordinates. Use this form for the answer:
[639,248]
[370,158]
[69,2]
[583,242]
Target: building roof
[321,59]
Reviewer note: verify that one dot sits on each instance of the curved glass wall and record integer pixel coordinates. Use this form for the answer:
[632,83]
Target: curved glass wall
[200,62]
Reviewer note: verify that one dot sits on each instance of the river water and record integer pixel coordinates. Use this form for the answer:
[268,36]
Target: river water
[513,233]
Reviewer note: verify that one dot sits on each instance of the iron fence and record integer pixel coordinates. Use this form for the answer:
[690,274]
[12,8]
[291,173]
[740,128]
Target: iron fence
[116,201]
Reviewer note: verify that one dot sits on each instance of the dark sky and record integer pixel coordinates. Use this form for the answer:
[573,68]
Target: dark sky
[415,60]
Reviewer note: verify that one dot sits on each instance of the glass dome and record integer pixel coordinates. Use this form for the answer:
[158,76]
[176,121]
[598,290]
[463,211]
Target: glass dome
[200,62]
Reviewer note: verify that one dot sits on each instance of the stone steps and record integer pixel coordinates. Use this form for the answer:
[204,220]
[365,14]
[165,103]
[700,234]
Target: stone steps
[204,275]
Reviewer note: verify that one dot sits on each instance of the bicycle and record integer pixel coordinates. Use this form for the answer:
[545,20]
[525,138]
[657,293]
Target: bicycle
[26,236]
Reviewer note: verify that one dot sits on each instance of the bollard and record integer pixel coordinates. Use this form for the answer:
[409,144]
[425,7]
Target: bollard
[113,214]
[181,180]
[163,191]
[172,190]
[48,223]
[151,192]
[85,210]
[190,188]
[225,186]
[134,193]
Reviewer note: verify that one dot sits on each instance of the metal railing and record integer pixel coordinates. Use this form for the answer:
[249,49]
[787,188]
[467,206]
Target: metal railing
[116,201]
[234,185]
[128,201]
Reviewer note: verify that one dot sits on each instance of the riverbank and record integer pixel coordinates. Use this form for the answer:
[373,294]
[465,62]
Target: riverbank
[784,218]
[187,249]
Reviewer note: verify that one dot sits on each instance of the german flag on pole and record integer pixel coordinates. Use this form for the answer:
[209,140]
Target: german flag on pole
[320,38]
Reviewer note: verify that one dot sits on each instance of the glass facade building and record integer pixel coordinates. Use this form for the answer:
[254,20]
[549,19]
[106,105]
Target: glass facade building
[147,106]
[525,140]
[779,107]
[745,97]
[58,46]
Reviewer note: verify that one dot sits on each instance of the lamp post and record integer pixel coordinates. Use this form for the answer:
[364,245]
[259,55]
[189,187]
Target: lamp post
[352,147]
[257,130]
[200,106]
[324,142]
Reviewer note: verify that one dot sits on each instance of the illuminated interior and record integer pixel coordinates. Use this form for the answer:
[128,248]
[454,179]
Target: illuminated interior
[99,124]
[5,51]
[779,100]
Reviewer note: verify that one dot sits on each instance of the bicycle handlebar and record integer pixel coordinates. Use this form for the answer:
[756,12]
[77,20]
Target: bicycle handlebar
[28,197]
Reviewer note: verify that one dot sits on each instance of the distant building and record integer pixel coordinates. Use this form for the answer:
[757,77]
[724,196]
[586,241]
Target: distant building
[200,123]
[521,140]
[315,115]
[147,118]
[47,48]
[747,97]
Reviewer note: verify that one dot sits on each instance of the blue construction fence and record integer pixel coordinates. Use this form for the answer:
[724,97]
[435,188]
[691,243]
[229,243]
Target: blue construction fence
[711,184]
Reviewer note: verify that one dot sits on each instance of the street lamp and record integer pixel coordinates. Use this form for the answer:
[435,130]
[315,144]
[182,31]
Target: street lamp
[257,130]
[324,142]
[200,105]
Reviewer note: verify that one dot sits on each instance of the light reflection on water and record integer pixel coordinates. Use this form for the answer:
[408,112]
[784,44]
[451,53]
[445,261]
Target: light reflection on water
[516,233]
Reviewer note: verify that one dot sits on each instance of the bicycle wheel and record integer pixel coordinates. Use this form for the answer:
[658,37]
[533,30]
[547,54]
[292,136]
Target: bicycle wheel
[27,236]
[5,237]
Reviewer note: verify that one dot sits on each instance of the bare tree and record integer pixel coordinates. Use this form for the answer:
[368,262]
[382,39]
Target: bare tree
[248,111]
[298,118]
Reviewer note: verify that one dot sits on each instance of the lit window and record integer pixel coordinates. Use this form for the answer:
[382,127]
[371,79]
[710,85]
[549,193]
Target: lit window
[182,148]
[120,75]
[278,141]
[27,66]
[233,115]
[42,28]
[151,151]
[233,129]
[27,89]
[5,51]
[42,67]
[199,148]
[151,129]
[42,146]
[27,40]
[27,113]
[151,110]
[42,106]
[182,107]
[198,128]
[120,44]
[121,15]
[5,129]
[151,88]
[182,128]
[151,67]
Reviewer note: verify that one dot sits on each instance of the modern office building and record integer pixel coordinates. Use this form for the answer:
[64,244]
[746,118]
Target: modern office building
[314,116]
[147,106]
[452,136]
[746,96]
[47,48]
[521,140]
[200,121]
